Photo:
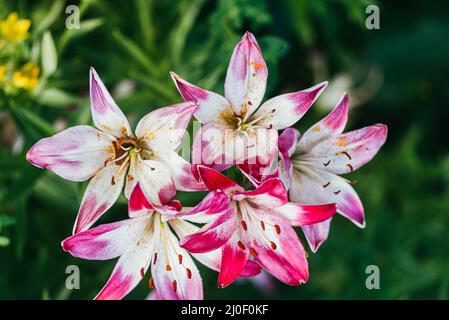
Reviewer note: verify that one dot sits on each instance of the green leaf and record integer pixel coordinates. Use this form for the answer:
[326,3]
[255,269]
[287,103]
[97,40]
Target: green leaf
[6,221]
[50,17]
[55,97]
[49,56]
[86,26]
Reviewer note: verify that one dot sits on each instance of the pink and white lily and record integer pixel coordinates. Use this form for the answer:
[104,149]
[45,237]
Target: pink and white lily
[310,165]
[146,240]
[255,223]
[113,156]
[234,128]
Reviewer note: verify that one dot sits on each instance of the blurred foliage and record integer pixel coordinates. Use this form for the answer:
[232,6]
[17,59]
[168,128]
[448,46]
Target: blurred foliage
[134,45]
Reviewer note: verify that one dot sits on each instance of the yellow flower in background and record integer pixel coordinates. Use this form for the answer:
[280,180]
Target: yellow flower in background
[14,29]
[27,77]
[2,72]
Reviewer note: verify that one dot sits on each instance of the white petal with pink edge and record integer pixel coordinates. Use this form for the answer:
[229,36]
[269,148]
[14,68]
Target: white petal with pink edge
[106,115]
[75,154]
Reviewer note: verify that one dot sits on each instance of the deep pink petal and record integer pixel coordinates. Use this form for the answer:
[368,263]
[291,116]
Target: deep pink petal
[302,215]
[75,154]
[283,111]
[216,181]
[106,114]
[234,259]
[270,194]
[138,203]
[246,77]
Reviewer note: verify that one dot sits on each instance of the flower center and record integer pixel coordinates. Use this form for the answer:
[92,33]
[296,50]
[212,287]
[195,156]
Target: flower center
[123,148]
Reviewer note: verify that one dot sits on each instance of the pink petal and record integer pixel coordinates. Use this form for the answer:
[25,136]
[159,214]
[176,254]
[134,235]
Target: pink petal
[331,126]
[216,181]
[316,234]
[215,202]
[182,173]
[302,215]
[138,204]
[246,77]
[276,248]
[257,172]
[212,235]
[106,114]
[270,194]
[101,193]
[234,259]
[318,187]
[75,154]
[164,128]
[155,180]
[175,275]
[211,104]
[106,241]
[349,151]
[283,111]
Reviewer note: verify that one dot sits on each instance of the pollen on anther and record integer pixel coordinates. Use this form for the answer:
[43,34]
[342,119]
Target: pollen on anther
[241,245]
[180,259]
[253,252]
[189,273]
[175,285]
[278,228]
[262,224]
[273,245]
[167,267]
[244,225]
[151,283]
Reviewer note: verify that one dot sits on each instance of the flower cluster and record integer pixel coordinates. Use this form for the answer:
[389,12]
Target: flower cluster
[234,230]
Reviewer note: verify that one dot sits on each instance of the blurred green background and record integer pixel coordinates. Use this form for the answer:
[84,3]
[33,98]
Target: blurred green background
[396,75]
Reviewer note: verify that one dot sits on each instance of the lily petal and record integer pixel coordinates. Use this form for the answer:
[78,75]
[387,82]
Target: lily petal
[285,110]
[154,179]
[106,115]
[176,276]
[270,194]
[351,150]
[287,143]
[211,104]
[101,193]
[316,234]
[302,215]
[212,235]
[138,204]
[75,154]
[317,187]
[246,78]
[215,202]
[217,181]
[164,128]
[331,126]
[234,259]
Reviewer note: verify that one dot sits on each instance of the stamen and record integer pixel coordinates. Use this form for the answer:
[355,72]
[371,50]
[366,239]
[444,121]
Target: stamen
[326,184]
[151,283]
[189,273]
[278,229]
[167,267]
[253,252]
[273,245]
[244,225]
[175,285]
[241,245]
[262,224]
[121,157]
[180,259]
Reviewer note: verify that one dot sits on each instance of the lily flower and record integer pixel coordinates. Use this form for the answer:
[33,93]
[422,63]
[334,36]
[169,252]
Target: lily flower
[234,127]
[145,240]
[255,223]
[310,165]
[112,156]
